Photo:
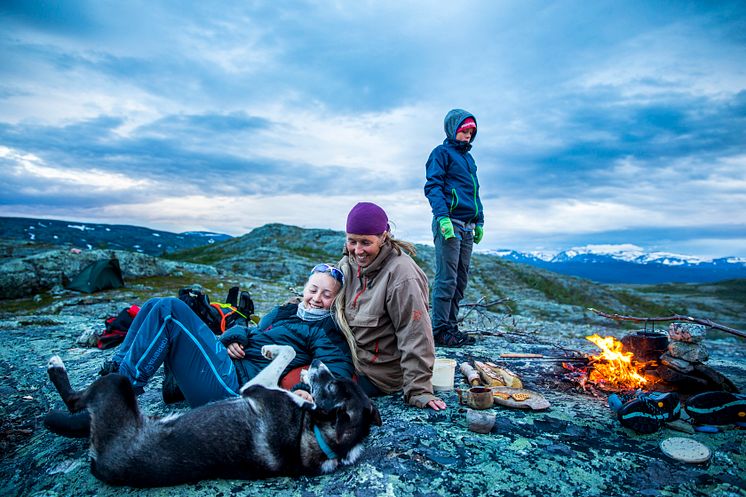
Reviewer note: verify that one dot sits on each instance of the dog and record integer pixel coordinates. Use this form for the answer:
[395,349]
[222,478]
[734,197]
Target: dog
[265,432]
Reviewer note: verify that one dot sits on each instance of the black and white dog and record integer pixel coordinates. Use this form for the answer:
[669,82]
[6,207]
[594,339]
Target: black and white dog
[265,432]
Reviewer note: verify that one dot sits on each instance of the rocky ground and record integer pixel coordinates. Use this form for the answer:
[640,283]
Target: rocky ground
[575,448]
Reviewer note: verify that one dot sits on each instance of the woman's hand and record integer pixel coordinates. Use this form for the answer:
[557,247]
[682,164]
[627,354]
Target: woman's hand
[235,351]
[436,405]
[304,395]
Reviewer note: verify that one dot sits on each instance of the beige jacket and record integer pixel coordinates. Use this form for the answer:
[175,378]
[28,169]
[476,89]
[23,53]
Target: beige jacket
[386,307]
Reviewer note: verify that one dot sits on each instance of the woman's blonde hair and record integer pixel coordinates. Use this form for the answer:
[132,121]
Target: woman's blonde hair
[399,245]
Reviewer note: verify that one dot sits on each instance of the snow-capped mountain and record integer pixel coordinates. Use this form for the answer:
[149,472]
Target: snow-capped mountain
[627,263]
[110,236]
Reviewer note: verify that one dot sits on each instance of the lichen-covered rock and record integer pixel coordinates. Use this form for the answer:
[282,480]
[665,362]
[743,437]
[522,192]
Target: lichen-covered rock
[577,447]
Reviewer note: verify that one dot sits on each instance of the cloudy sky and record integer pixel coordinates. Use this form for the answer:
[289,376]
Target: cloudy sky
[599,122]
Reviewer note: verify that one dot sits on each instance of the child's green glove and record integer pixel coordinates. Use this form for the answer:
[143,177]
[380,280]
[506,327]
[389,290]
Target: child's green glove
[478,233]
[446,227]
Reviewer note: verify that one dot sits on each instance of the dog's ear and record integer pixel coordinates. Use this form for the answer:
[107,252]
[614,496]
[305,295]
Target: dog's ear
[375,416]
[342,422]
[323,415]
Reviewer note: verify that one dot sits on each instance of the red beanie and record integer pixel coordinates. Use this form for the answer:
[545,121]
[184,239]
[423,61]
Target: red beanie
[466,124]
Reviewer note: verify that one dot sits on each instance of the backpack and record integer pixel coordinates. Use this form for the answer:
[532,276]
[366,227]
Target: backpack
[237,309]
[117,328]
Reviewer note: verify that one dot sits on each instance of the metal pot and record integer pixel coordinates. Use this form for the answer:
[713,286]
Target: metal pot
[645,345]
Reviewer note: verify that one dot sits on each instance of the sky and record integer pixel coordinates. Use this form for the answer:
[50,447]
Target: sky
[599,122]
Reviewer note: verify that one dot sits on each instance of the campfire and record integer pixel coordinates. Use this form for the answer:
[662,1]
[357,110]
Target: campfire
[648,361]
[612,370]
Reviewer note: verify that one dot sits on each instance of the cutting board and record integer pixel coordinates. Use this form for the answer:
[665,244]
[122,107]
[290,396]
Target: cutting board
[535,400]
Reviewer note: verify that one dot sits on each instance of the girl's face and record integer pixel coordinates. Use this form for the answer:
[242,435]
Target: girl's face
[364,248]
[465,135]
[320,290]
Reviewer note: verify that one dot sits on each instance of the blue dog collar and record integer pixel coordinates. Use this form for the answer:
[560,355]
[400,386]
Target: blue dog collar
[322,443]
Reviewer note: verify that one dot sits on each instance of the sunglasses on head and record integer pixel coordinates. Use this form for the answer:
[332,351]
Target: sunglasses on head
[328,268]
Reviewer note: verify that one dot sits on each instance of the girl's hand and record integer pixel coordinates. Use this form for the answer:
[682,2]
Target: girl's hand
[235,351]
[304,395]
[436,405]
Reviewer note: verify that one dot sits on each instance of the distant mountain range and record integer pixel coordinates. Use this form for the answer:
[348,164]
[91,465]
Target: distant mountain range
[630,264]
[600,263]
[106,236]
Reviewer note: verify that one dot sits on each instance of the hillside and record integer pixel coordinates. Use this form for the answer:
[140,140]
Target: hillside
[577,447]
[281,253]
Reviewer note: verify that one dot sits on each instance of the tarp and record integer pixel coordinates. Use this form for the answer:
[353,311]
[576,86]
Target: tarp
[97,276]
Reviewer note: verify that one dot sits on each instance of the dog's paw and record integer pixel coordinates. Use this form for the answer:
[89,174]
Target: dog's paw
[269,351]
[55,362]
[272,351]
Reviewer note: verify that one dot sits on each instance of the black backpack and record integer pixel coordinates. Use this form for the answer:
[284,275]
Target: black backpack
[237,310]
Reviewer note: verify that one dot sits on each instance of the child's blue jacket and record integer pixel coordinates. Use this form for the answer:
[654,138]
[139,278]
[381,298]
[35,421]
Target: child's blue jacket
[452,187]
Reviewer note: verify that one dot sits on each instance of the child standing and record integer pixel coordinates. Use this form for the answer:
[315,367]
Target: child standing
[452,189]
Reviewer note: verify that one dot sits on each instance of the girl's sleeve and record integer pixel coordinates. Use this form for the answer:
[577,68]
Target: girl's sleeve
[337,360]
[435,172]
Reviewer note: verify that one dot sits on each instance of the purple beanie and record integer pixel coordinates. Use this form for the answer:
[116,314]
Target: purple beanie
[367,218]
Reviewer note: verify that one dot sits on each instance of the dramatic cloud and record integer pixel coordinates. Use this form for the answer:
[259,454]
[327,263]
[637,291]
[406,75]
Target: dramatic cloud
[598,122]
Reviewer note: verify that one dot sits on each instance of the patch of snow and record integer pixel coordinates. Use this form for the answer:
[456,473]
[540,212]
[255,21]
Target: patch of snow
[90,247]
[735,260]
[81,227]
[543,255]
[31,236]
[155,234]
[210,241]
[501,253]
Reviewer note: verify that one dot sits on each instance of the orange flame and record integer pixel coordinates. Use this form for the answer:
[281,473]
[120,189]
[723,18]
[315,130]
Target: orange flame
[614,367]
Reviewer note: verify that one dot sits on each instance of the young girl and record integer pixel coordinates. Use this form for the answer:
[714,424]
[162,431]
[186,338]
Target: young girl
[209,368]
[452,188]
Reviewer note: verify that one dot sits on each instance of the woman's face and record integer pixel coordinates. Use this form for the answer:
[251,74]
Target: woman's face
[364,248]
[320,290]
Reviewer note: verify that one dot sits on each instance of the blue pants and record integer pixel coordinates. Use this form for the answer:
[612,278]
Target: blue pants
[452,258]
[167,330]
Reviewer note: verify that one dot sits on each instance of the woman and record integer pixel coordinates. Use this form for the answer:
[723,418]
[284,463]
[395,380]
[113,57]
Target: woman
[207,368]
[383,310]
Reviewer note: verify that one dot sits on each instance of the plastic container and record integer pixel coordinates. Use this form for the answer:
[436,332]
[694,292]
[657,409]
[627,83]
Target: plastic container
[444,372]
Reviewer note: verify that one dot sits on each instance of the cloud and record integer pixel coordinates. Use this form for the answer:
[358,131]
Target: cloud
[596,120]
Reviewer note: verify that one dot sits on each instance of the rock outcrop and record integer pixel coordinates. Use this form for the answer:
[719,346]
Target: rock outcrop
[32,272]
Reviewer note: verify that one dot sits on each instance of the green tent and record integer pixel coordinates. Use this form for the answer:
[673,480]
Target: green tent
[97,276]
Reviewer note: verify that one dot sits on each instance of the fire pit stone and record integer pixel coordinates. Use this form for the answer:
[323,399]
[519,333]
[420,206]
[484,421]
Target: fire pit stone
[688,351]
[680,365]
[687,332]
